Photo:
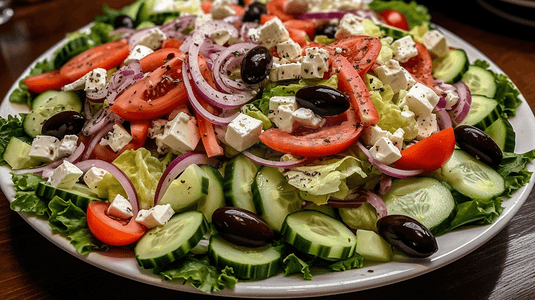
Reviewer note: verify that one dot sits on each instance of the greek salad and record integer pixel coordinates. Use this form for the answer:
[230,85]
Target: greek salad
[225,141]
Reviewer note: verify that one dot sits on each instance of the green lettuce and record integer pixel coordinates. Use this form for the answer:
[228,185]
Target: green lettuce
[199,273]
[319,181]
[143,169]
[514,172]
[295,265]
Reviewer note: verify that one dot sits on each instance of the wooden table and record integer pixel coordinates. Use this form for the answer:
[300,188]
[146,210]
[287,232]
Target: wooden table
[33,268]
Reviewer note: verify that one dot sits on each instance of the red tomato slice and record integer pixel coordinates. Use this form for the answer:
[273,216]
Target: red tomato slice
[112,231]
[155,95]
[159,57]
[350,83]
[429,154]
[421,66]
[394,18]
[361,51]
[172,43]
[307,26]
[276,8]
[52,80]
[328,140]
[264,18]
[298,36]
[206,6]
[106,56]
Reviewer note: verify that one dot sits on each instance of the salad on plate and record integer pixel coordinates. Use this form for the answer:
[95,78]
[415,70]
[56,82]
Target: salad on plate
[224,141]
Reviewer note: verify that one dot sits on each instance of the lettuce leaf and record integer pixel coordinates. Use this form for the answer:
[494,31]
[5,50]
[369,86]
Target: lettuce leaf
[10,127]
[294,264]
[25,199]
[143,169]
[200,274]
[354,262]
[514,172]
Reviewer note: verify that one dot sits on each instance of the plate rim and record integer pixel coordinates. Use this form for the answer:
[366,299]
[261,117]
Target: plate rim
[119,263]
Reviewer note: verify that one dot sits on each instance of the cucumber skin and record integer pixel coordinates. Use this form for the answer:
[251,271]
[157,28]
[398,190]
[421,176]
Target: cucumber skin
[228,179]
[181,251]
[48,192]
[490,118]
[256,272]
[508,135]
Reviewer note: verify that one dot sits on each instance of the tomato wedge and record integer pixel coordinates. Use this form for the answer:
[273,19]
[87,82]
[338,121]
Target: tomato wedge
[328,140]
[307,26]
[106,56]
[395,18]
[159,57]
[276,8]
[421,66]
[172,43]
[112,231]
[361,51]
[52,80]
[155,95]
[429,154]
[138,130]
[350,83]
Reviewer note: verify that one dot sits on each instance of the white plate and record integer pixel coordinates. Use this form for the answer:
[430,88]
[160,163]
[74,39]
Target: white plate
[452,246]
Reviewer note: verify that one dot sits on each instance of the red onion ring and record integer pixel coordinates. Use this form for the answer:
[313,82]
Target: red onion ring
[357,197]
[386,169]
[235,51]
[176,28]
[122,79]
[460,110]
[223,121]
[176,167]
[329,15]
[443,119]
[385,184]
[276,164]
[96,139]
[123,179]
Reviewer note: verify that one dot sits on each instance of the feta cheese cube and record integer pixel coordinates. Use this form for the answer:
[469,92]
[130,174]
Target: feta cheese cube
[181,134]
[272,33]
[45,148]
[202,18]
[155,216]
[285,71]
[252,35]
[65,176]
[314,63]
[283,117]
[96,80]
[277,101]
[68,145]
[117,138]
[451,98]
[222,9]
[385,151]
[349,25]
[153,39]
[138,53]
[371,134]
[396,76]
[220,37]
[92,177]
[120,208]
[307,118]
[427,125]
[404,49]
[243,132]
[289,49]
[436,43]
[420,99]
[397,138]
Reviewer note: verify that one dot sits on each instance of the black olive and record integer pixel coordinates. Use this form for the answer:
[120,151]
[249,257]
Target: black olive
[323,100]
[256,65]
[328,29]
[123,21]
[242,227]
[63,123]
[478,144]
[254,11]
[407,235]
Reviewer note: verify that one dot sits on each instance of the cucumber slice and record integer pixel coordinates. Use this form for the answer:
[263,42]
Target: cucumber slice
[163,245]
[372,246]
[43,98]
[273,197]
[16,155]
[80,195]
[69,50]
[480,81]
[424,199]
[187,190]
[471,177]
[392,31]
[318,234]
[239,176]
[452,66]
[503,134]
[483,112]
[246,262]
[215,197]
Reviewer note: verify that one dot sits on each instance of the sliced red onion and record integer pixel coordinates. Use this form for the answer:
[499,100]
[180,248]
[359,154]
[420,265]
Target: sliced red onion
[385,184]
[329,15]
[123,179]
[197,106]
[443,119]
[441,105]
[97,122]
[211,95]
[122,79]
[460,110]
[206,29]
[177,27]
[236,51]
[124,32]
[136,37]
[276,164]
[96,138]
[244,29]
[386,169]
[174,169]
[357,197]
